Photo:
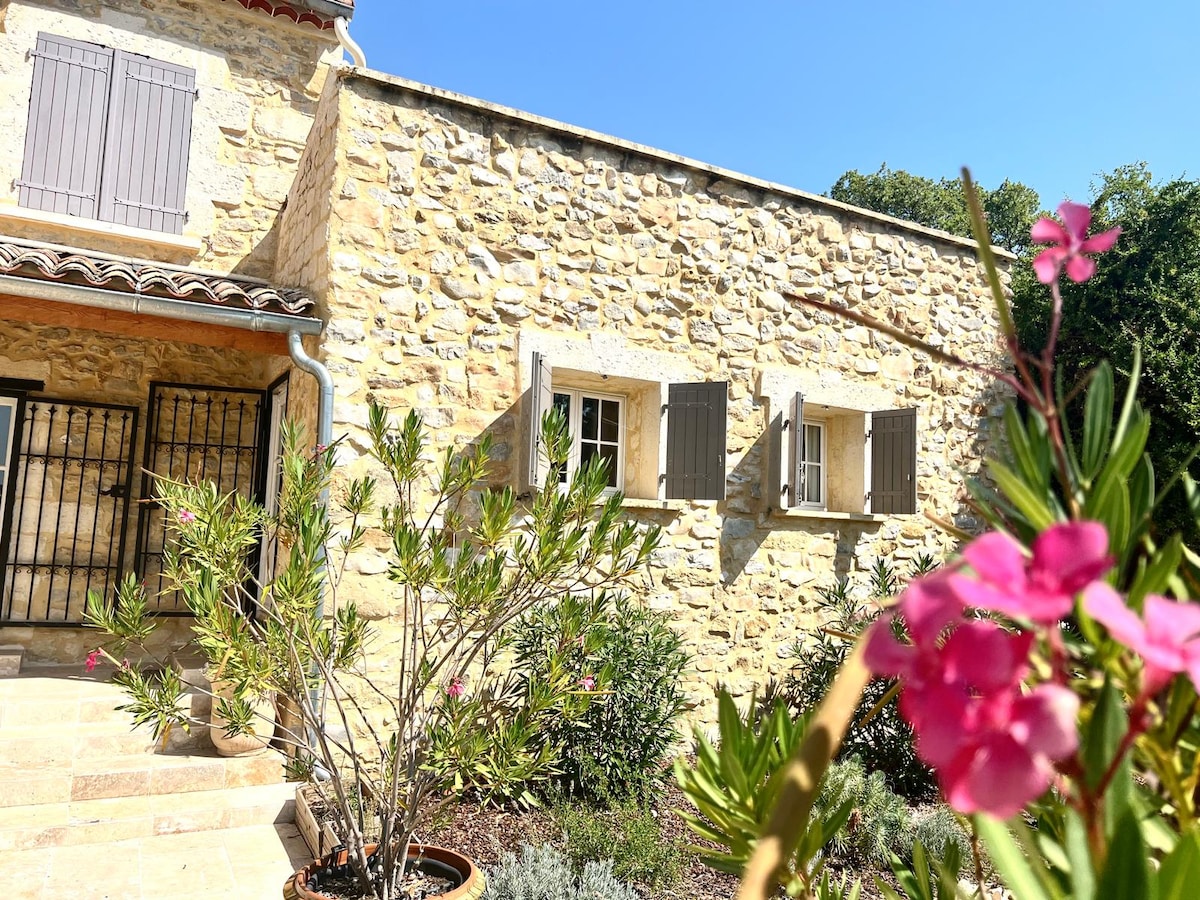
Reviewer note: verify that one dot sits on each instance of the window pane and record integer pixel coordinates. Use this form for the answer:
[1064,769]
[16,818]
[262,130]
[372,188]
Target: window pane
[589,424]
[558,469]
[610,455]
[6,414]
[610,420]
[812,443]
[812,483]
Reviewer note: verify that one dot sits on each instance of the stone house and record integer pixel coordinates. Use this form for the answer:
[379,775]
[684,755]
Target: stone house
[475,263]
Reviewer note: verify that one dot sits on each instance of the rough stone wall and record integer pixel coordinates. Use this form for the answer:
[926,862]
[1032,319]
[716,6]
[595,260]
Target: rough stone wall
[462,237]
[82,365]
[258,79]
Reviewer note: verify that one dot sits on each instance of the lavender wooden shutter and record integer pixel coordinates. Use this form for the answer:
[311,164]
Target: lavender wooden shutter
[64,138]
[149,135]
[894,461]
[541,398]
[696,441]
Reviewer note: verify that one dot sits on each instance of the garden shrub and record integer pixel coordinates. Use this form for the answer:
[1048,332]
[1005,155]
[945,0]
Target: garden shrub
[885,743]
[935,827]
[545,873]
[632,660]
[880,822]
[627,833]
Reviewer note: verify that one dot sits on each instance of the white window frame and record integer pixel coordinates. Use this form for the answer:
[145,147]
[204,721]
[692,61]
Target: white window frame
[821,463]
[6,449]
[574,425]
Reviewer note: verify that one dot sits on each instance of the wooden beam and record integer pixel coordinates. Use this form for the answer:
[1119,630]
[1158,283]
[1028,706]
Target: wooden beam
[47,312]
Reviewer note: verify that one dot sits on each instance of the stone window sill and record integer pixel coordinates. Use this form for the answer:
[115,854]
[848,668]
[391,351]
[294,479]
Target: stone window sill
[669,505]
[821,514]
[78,227]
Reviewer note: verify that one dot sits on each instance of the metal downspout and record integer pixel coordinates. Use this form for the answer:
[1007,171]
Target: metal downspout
[324,438]
[341,27]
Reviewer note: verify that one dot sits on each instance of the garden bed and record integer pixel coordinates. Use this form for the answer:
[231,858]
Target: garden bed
[486,833]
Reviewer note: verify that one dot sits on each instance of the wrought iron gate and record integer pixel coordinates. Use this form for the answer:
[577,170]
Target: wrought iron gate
[65,532]
[196,432]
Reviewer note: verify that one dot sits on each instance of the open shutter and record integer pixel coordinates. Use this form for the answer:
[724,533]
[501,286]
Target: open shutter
[696,415]
[541,398]
[149,135]
[64,139]
[795,439]
[894,462]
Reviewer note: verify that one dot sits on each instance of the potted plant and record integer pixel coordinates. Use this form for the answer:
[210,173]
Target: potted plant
[466,560]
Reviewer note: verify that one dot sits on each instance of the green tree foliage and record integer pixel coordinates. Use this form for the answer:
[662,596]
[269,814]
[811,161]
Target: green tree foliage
[1145,292]
[1011,208]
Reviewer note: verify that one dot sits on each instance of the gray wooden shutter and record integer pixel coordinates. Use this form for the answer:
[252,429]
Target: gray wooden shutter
[795,436]
[149,135]
[64,138]
[894,461]
[541,398]
[696,415]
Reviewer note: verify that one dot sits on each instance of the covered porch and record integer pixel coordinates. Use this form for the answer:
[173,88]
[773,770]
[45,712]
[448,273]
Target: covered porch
[112,369]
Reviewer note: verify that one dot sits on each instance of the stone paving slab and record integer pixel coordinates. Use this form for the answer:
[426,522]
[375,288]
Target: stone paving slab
[247,863]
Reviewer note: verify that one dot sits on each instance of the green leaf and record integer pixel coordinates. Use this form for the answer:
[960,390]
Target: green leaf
[1019,877]
[1097,420]
[1083,876]
[1102,739]
[1127,870]
[1155,577]
[1018,493]
[1179,875]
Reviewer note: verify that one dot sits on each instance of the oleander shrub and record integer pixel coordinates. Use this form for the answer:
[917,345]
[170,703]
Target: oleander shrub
[546,873]
[631,661]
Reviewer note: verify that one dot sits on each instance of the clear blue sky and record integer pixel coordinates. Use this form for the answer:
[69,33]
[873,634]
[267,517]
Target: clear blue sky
[1048,93]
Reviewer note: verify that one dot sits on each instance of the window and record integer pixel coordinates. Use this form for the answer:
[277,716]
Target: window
[812,466]
[108,135]
[665,441]
[847,460]
[595,423]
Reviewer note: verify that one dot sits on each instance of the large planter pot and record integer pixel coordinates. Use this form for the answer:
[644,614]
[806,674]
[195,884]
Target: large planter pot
[257,740]
[439,860]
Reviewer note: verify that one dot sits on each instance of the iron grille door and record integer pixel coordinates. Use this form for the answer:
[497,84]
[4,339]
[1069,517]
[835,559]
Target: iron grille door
[69,508]
[197,433]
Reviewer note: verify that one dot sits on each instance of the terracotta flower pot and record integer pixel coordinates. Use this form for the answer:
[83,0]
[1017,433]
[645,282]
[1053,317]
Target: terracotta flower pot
[470,888]
[255,741]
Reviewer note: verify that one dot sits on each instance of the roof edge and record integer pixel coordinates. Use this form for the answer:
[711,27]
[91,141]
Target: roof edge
[508,112]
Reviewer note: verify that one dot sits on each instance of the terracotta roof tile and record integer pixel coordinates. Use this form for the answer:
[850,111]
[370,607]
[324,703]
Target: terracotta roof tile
[26,259]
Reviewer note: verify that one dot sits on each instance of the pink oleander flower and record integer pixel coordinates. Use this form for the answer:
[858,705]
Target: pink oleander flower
[1166,636]
[1073,244]
[186,516]
[456,688]
[1008,748]
[927,608]
[588,682]
[92,658]
[993,745]
[1066,559]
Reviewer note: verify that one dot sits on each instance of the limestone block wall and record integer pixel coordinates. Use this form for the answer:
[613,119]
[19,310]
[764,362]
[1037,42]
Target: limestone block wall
[462,236]
[77,364]
[258,81]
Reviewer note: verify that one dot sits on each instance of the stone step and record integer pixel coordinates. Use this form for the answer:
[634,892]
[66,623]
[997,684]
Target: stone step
[125,818]
[59,745]
[136,775]
[11,656]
